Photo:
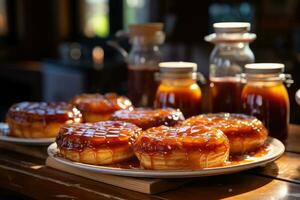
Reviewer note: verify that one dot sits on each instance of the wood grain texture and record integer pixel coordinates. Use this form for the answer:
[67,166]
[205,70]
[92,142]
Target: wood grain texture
[287,168]
[35,151]
[235,186]
[144,185]
[293,141]
[28,176]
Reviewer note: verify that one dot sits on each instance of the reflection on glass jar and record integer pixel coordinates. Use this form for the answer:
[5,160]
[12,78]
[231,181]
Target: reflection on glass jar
[266,97]
[178,88]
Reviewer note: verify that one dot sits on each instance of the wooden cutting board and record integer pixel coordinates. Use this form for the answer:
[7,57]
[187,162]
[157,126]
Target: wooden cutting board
[35,151]
[144,185]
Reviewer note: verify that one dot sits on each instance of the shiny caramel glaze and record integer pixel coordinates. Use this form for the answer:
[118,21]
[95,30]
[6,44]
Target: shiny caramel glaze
[147,118]
[231,124]
[164,140]
[102,104]
[29,112]
[106,134]
[233,160]
[244,131]
[248,157]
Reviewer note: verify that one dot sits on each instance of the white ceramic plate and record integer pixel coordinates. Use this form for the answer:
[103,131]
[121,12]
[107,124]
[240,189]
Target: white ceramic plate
[275,150]
[4,130]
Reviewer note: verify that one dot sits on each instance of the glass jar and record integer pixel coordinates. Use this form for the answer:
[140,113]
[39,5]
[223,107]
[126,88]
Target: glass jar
[265,97]
[178,87]
[230,54]
[143,62]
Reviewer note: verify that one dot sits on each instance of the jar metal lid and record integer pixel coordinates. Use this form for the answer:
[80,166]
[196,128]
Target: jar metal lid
[230,38]
[232,27]
[264,68]
[177,67]
[231,32]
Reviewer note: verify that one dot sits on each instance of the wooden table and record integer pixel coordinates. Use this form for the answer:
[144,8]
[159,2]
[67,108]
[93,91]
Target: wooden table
[27,175]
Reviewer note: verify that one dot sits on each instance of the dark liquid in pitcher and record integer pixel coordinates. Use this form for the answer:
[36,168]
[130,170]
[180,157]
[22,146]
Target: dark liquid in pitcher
[142,85]
[225,94]
[270,104]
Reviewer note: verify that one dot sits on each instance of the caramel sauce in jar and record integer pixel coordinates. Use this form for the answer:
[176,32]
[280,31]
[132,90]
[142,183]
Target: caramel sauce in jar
[269,102]
[231,52]
[265,97]
[225,94]
[143,59]
[142,85]
[178,88]
[186,97]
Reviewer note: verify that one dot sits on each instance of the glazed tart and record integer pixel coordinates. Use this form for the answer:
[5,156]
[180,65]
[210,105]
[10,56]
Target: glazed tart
[147,118]
[97,107]
[182,147]
[245,133]
[40,119]
[98,143]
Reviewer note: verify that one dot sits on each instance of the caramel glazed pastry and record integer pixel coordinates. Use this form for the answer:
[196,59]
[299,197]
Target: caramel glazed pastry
[97,107]
[147,118]
[98,143]
[40,119]
[181,147]
[245,133]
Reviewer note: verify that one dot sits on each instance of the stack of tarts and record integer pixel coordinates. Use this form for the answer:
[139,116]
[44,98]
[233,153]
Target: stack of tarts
[161,139]
[34,120]
[113,131]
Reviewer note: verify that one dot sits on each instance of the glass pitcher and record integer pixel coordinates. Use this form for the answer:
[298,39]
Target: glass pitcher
[143,60]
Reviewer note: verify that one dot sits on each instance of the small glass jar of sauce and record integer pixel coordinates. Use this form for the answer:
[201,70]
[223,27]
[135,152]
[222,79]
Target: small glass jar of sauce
[230,54]
[265,96]
[144,56]
[178,87]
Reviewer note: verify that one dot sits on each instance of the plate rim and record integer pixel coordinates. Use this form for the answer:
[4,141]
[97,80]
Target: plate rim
[21,140]
[173,173]
[26,140]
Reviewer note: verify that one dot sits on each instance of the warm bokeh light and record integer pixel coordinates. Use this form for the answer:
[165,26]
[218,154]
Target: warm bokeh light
[95,21]
[98,55]
[3,18]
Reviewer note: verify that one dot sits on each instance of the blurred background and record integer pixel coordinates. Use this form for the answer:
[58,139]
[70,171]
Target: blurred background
[51,50]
